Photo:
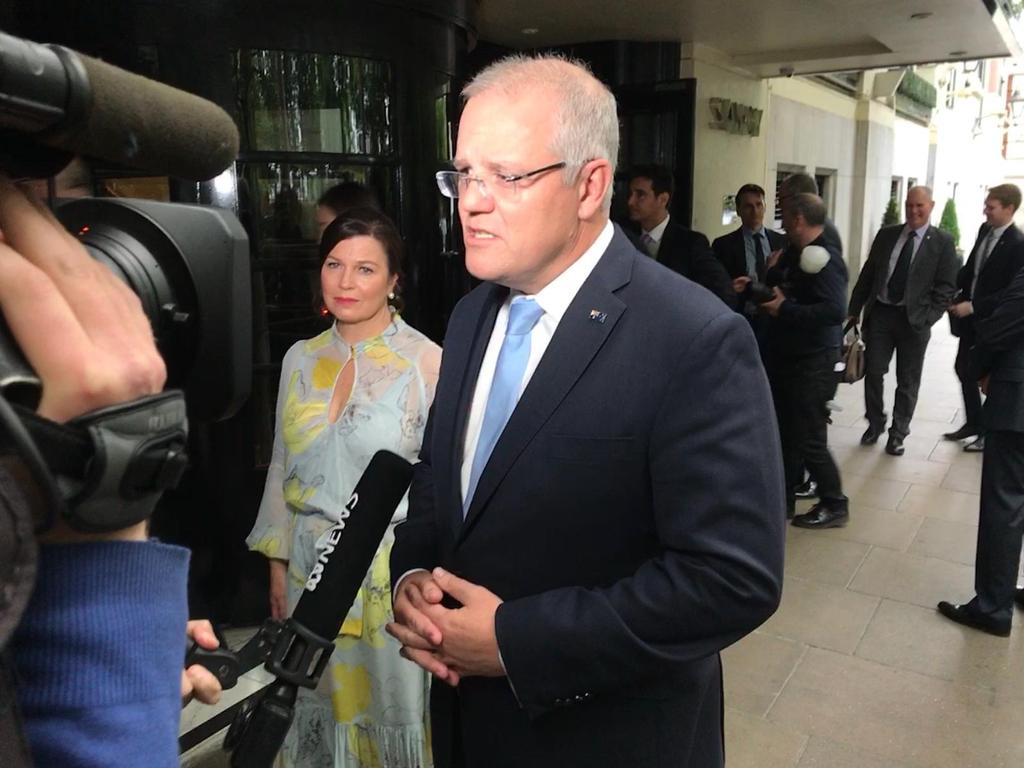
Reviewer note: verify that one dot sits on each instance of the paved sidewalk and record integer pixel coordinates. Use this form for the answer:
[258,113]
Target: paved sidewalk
[857,669]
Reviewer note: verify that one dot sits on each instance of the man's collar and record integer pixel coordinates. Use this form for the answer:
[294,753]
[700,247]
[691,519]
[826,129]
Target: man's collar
[920,230]
[658,230]
[555,297]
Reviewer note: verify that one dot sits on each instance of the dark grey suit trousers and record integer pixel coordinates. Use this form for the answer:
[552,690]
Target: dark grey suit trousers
[1000,524]
[887,330]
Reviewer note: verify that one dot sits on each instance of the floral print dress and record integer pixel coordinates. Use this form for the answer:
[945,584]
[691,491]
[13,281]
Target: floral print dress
[370,709]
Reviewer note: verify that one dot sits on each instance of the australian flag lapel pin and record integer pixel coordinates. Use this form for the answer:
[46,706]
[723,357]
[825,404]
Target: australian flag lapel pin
[598,315]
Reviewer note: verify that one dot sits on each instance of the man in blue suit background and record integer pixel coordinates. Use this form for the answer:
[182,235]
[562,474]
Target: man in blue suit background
[599,505]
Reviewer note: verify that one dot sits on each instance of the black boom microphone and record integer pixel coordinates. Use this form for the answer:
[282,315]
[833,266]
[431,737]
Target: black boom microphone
[304,648]
[63,100]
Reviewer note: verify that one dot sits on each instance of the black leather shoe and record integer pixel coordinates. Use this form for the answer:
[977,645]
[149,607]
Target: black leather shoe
[963,433]
[806,490]
[969,617]
[1019,597]
[976,446]
[895,446]
[821,516]
[871,435]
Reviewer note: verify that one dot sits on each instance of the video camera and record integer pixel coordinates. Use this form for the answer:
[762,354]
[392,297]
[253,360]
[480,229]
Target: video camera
[188,264]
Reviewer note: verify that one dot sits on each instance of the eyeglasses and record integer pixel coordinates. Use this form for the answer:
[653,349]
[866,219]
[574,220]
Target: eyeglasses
[503,185]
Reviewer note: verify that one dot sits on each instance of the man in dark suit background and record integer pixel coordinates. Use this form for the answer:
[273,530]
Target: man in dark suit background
[680,249]
[905,286]
[803,337]
[601,539]
[996,257]
[997,359]
[744,254]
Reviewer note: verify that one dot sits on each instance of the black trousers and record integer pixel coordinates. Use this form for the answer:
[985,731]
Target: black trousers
[969,384]
[802,388]
[885,331]
[1000,524]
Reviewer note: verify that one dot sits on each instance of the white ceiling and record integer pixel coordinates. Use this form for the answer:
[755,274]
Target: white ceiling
[764,36]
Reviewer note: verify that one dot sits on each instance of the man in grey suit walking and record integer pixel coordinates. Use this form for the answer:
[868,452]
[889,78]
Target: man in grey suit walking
[997,360]
[904,287]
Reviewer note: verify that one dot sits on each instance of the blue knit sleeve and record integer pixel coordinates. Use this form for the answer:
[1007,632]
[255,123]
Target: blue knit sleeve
[99,653]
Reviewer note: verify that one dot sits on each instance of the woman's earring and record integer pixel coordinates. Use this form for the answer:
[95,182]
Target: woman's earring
[324,311]
[391,296]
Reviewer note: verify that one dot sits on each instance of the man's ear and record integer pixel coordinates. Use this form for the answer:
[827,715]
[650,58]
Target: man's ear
[664,202]
[595,179]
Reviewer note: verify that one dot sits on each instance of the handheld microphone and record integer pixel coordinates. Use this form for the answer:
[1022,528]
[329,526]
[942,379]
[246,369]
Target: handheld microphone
[70,102]
[300,657]
[351,544]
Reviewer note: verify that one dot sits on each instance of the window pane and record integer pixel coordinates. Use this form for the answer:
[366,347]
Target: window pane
[313,102]
[279,198]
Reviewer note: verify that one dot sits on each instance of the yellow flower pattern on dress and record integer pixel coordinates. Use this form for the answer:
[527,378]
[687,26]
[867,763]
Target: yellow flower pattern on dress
[325,372]
[351,692]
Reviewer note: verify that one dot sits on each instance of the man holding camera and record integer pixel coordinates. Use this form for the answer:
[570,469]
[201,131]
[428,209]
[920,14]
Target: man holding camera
[809,281]
[97,655]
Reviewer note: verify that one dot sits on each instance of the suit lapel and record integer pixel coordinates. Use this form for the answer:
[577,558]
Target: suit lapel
[882,275]
[470,366]
[924,253]
[1006,239]
[580,335]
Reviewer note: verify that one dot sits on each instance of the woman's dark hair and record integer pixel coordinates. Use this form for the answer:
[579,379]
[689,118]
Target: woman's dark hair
[367,222]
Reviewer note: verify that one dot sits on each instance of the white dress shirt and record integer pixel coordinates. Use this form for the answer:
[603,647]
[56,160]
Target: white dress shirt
[554,299]
[656,234]
[894,257]
[987,246]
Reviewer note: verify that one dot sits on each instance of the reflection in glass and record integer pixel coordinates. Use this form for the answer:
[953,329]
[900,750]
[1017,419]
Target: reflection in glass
[313,102]
[277,202]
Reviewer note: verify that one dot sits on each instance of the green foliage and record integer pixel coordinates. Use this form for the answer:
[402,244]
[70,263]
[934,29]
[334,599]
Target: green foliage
[948,222]
[892,213]
[918,90]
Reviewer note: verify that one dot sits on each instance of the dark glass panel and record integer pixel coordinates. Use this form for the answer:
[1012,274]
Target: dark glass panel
[314,102]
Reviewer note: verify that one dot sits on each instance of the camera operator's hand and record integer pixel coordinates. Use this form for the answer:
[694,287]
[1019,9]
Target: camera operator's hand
[82,329]
[740,283]
[197,681]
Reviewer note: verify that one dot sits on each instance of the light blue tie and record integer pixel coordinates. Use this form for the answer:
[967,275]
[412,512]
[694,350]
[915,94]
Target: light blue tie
[523,314]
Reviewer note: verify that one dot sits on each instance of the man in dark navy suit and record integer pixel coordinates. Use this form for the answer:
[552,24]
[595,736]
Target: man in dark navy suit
[668,242]
[996,257]
[997,361]
[599,505]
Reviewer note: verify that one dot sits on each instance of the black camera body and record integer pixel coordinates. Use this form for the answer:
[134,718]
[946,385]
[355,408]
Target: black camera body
[188,264]
[760,293]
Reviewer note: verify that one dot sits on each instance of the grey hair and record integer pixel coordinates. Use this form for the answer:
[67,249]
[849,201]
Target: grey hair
[588,125]
[799,184]
[810,207]
[927,190]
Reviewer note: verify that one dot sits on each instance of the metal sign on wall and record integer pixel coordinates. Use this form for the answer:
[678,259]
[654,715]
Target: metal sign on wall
[728,115]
